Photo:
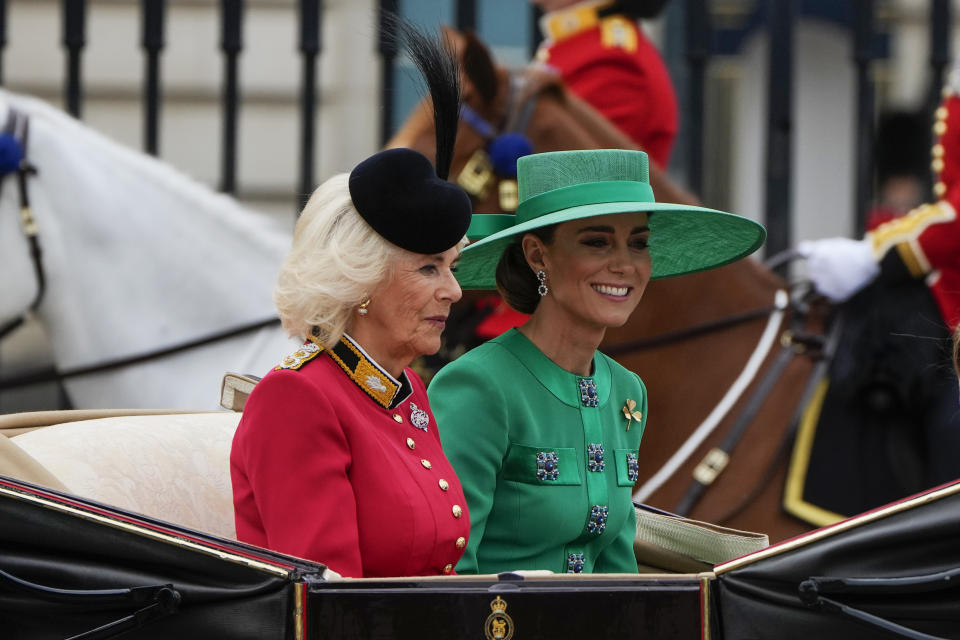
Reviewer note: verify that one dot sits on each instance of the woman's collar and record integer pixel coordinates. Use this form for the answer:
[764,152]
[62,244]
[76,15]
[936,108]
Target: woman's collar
[373,379]
[561,383]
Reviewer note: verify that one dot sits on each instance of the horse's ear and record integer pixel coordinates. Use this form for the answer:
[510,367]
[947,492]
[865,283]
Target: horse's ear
[479,67]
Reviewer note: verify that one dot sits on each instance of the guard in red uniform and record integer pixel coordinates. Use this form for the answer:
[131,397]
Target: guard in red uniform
[605,58]
[925,243]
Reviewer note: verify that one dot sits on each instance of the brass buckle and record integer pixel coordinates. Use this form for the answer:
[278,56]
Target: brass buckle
[477,175]
[509,197]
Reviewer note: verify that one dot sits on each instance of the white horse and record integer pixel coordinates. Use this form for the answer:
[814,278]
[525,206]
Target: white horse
[137,257]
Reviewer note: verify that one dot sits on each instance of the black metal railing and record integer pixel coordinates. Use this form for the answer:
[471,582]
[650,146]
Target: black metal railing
[311,44]
[781,16]
[152,42]
[74,39]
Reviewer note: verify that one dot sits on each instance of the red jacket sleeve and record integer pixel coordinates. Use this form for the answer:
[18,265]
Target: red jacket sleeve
[296,458]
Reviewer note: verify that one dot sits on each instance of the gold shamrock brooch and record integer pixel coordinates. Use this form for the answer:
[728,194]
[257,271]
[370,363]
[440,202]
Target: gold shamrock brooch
[630,414]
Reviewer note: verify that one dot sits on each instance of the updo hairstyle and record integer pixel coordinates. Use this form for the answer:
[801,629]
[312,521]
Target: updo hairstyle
[516,281]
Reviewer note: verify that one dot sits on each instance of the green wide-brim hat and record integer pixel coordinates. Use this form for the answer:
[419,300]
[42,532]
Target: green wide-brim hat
[561,186]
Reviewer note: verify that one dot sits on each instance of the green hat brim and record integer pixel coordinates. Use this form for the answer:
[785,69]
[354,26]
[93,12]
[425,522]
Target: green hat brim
[487,224]
[683,239]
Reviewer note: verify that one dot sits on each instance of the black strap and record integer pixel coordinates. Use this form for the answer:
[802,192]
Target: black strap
[687,332]
[155,602]
[28,224]
[824,358]
[759,396]
[812,589]
[117,363]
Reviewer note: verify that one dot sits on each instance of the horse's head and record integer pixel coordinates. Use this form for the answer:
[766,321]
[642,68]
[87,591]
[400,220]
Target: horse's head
[532,101]
[486,94]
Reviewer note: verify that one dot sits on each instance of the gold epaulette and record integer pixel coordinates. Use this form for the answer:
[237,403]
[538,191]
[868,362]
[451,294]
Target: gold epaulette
[617,32]
[903,234]
[300,357]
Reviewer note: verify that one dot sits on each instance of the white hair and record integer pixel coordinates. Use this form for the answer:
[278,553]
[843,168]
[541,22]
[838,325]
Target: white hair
[337,260]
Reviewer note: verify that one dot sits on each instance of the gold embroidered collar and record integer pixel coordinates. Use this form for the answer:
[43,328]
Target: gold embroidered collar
[385,390]
[564,23]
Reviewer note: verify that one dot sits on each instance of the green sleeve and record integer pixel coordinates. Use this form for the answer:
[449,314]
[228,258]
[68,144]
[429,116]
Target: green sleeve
[471,418]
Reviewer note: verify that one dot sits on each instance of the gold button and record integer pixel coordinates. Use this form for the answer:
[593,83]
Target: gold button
[411,444]
[447,569]
[426,464]
[444,485]
[398,417]
[457,511]
[461,542]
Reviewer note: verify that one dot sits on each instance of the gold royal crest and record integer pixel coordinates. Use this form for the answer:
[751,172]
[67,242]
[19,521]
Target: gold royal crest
[499,626]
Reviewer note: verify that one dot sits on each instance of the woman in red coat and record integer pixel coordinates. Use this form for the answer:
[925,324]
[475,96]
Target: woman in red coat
[337,457]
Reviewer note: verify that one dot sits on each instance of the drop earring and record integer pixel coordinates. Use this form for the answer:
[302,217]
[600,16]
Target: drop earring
[541,278]
[363,307]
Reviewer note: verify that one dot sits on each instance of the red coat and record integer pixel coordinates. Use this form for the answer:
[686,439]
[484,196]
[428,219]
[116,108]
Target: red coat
[611,64]
[323,470]
[927,241]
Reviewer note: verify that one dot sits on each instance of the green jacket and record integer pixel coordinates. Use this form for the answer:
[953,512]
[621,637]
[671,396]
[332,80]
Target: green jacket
[547,465]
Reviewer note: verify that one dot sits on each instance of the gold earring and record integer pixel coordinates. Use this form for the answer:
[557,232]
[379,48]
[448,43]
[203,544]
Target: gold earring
[363,307]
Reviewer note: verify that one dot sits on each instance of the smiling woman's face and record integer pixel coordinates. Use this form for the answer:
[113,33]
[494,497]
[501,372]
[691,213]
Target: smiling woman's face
[597,268]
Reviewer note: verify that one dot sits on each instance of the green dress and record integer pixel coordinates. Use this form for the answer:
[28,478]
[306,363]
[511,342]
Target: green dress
[545,457]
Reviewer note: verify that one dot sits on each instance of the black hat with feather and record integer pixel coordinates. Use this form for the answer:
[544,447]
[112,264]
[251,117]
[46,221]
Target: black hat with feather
[398,191]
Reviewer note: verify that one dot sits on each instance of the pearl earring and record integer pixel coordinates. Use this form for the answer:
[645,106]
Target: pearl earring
[363,307]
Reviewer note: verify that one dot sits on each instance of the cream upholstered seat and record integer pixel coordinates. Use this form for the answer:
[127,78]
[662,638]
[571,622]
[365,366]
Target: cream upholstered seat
[174,467]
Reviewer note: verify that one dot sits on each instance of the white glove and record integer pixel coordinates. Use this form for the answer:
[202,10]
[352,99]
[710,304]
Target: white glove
[839,267]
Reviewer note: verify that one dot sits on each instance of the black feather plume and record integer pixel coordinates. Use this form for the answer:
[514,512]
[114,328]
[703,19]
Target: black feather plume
[435,58]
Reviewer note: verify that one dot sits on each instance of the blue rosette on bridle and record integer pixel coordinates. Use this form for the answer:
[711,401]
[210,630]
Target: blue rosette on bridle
[11,153]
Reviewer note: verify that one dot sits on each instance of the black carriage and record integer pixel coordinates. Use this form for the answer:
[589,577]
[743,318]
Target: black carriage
[73,568]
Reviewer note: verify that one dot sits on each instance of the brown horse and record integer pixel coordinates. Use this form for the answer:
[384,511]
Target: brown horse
[686,377]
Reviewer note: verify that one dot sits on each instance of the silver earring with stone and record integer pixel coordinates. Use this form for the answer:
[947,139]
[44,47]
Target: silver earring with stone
[541,278]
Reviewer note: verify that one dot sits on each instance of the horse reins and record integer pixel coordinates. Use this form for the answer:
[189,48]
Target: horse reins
[118,363]
[27,222]
[689,332]
[793,342]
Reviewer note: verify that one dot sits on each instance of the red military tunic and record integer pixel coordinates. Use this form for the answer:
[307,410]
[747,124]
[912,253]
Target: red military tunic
[611,64]
[927,240]
[336,461]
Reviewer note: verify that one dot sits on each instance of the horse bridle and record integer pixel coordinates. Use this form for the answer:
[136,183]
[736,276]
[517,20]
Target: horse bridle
[479,173]
[19,121]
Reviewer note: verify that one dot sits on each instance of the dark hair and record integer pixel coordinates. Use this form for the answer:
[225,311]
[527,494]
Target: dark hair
[516,281]
[636,9]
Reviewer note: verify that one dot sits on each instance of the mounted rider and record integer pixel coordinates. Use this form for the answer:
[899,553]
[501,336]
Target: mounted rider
[604,57]
[925,243]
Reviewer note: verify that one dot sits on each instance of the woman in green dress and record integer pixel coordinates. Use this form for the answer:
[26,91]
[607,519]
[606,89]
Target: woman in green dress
[542,428]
